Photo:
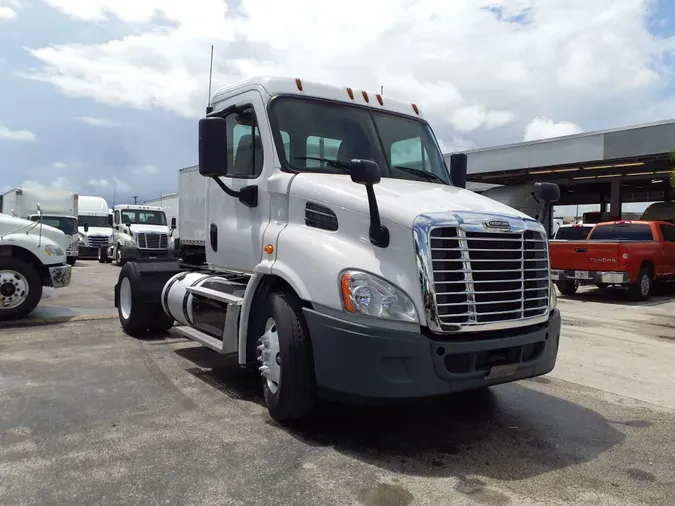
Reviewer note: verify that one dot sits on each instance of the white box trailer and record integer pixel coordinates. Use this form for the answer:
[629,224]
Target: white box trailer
[192,188]
[59,209]
[169,203]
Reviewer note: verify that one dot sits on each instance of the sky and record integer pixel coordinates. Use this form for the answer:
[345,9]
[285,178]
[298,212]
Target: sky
[103,96]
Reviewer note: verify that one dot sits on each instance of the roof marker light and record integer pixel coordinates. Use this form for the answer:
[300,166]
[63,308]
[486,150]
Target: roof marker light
[417,111]
[379,99]
[350,92]
[365,96]
[298,83]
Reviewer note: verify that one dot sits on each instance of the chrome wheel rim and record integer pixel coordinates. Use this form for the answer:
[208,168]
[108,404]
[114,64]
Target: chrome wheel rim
[125,298]
[13,289]
[118,255]
[644,284]
[270,357]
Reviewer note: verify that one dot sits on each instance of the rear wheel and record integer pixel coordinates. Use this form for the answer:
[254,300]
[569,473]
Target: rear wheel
[285,358]
[160,322]
[642,288]
[567,287]
[20,288]
[133,316]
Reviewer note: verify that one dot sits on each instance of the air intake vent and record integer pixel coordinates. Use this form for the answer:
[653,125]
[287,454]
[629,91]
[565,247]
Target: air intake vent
[317,216]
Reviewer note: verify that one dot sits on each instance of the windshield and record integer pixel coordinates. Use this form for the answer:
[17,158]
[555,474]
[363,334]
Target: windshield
[573,233]
[320,136]
[93,221]
[143,217]
[66,225]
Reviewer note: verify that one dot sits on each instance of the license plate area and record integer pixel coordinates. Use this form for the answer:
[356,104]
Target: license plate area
[582,275]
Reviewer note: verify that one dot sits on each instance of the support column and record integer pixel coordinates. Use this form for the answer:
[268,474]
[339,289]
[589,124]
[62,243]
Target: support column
[615,200]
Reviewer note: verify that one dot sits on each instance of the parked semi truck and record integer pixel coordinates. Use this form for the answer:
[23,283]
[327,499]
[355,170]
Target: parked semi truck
[32,255]
[58,209]
[367,272]
[94,226]
[139,231]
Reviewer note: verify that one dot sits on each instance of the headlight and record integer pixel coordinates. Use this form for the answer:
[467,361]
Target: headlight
[369,295]
[53,251]
[130,243]
[81,239]
[553,296]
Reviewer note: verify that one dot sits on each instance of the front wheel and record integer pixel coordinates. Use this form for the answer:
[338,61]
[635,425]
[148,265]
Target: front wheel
[286,359]
[118,256]
[133,315]
[567,287]
[20,288]
[102,255]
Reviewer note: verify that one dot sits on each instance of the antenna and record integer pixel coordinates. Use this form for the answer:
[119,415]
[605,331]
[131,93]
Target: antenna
[209,107]
[135,197]
[381,90]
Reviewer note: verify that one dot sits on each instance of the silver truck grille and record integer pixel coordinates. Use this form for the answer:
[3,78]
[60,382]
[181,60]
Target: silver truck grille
[98,240]
[152,241]
[485,277]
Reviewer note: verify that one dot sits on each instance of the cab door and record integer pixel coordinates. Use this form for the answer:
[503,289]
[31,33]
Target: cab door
[234,232]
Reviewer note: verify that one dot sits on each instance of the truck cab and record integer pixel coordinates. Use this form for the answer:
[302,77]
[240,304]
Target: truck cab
[345,260]
[32,256]
[94,226]
[139,231]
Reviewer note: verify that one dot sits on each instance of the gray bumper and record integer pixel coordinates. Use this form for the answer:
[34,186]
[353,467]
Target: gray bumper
[591,277]
[130,254]
[89,251]
[374,363]
[60,275]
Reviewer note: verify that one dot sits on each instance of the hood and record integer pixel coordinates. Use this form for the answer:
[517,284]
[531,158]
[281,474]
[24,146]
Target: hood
[159,229]
[10,224]
[95,231]
[399,200]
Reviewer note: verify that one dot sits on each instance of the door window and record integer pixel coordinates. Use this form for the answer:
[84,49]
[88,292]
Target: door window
[244,146]
[668,232]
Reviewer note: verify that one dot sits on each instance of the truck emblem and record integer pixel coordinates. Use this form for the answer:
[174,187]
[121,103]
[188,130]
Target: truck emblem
[499,224]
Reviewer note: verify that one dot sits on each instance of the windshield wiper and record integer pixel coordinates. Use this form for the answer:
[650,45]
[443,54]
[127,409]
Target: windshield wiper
[331,163]
[429,176]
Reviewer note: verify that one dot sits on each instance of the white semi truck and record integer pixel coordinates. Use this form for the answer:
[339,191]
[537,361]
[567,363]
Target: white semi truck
[366,271]
[94,226]
[32,255]
[59,210]
[139,231]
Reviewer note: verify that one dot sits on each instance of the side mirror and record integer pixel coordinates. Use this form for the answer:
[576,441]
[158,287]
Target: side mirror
[212,147]
[458,169]
[367,173]
[546,192]
[86,227]
[173,223]
[364,172]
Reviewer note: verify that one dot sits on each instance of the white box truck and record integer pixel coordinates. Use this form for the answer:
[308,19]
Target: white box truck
[361,271]
[94,226]
[32,255]
[59,210]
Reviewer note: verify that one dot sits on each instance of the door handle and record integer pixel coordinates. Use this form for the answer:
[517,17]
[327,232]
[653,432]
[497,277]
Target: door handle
[581,250]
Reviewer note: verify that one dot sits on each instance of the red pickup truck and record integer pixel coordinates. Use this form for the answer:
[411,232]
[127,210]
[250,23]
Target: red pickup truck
[629,253]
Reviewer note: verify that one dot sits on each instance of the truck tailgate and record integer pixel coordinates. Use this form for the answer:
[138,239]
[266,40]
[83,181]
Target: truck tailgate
[584,255]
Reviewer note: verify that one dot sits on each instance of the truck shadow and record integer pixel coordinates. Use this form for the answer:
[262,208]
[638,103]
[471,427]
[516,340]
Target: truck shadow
[510,432]
[662,293]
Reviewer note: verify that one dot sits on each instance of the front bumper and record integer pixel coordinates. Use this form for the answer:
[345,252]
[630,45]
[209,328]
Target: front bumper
[373,363]
[592,277]
[60,275]
[129,254]
[89,251]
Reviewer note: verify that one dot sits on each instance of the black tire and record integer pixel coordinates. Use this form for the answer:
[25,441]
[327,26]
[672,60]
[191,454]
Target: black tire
[102,255]
[134,315]
[567,287]
[295,396]
[34,282]
[160,322]
[118,256]
[71,260]
[602,286]
[642,288]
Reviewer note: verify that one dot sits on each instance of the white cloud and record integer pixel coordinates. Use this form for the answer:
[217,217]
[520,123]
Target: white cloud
[120,185]
[60,183]
[59,165]
[456,145]
[99,183]
[545,128]
[145,170]
[112,182]
[16,135]
[99,122]
[7,13]
[468,70]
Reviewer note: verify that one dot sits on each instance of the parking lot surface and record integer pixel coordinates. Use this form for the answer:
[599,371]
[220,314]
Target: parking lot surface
[92,416]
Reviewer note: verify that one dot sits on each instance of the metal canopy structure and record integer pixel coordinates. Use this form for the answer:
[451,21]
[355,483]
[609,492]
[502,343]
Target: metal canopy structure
[612,166]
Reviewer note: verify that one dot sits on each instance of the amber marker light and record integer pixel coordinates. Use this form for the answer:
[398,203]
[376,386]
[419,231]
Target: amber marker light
[350,92]
[379,99]
[346,294]
[298,83]
[269,249]
[365,96]
[417,111]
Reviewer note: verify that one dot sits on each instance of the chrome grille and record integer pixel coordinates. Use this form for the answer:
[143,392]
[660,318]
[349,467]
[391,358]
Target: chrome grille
[487,277]
[152,241]
[98,240]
